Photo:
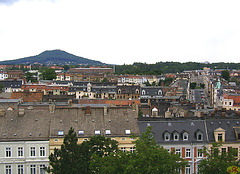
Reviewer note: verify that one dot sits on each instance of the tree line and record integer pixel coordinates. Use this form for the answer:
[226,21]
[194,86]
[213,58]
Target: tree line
[170,67]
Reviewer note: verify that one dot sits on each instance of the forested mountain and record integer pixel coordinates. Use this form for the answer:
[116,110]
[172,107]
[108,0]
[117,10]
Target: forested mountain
[57,57]
[170,67]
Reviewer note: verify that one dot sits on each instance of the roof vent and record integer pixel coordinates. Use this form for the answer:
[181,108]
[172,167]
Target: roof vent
[21,112]
[4,135]
[92,120]
[11,119]
[228,122]
[211,123]
[30,134]
[76,121]
[237,122]
[15,134]
[109,120]
[36,119]
[61,121]
[39,134]
[127,120]
[220,122]
[169,124]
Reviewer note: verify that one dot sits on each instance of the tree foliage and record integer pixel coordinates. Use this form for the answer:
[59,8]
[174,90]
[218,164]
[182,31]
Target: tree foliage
[217,162]
[49,74]
[148,157]
[225,75]
[75,158]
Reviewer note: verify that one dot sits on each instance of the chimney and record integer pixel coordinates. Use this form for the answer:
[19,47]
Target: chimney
[21,112]
[105,110]
[88,110]
[168,114]
[223,114]
[2,112]
[215,109]
[70,102]
[51,108]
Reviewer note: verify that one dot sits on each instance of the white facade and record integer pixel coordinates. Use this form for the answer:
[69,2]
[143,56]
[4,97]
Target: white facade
[3,75]
[24,157]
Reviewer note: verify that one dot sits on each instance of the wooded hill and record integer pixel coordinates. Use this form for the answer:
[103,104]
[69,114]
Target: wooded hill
[57,57]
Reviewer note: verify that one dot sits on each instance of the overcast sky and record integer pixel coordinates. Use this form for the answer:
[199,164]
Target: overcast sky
[123,31]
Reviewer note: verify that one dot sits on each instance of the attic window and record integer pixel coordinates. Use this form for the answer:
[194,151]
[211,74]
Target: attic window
[97,132]
[108,132]
[199,136]
[167,136]
[175,136]
[185,136]
[80,132]
[60,133]
[128,132]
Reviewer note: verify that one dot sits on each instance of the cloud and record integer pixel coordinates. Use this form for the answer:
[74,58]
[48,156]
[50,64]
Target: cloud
[7,2]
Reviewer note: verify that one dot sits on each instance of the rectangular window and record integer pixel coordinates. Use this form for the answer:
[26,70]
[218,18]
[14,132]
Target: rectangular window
[108,132]
[20,169]
[200,153]
[32,151]
[60,133]
[8,152]
[42,151]
[32,169]
[8,169]
[123,149]
[224,150]
[219,137]
[127,132]
[178,152]
[188,153]
[132,149]
[97,132]
[20,151]
[42,171]
[188,169]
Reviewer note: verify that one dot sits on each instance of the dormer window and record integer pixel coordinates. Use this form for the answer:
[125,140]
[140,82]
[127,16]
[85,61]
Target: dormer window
[143,92]
[97,132]
[219,134]
[108,132]
[185,136]
[61,133]
[128,132]
[199,135]
[167,136]
[80,132]
[160,92]
[175,136]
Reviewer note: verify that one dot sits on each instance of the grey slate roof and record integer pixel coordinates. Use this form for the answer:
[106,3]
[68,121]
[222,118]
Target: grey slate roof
[159,127]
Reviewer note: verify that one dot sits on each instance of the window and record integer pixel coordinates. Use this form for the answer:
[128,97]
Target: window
[224,150]
[230,103]
[127,132]
[20,169]
[200,153]
[42,171]
[132,149]
[8,151]
[175,136]
[97,132]
[80,132]
[220,137]
[123,149]
[178,152]
[188,153]
[32,151]
[199,136]
[32,169]
[20,151]
[185,136]
[42,151]
[167,136]
[60,133]
[108,132]
[187,169]
[8,169]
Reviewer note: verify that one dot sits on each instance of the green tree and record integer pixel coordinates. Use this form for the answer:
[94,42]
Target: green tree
[1,87]
[49,74]
[105,79]
[202,85]
[147,83]
[148,157]
[217,162]
[66,67]
[75,158]
[225,75]
[193,85]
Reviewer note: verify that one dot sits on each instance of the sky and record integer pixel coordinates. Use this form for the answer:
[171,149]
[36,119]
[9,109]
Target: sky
[122,31]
